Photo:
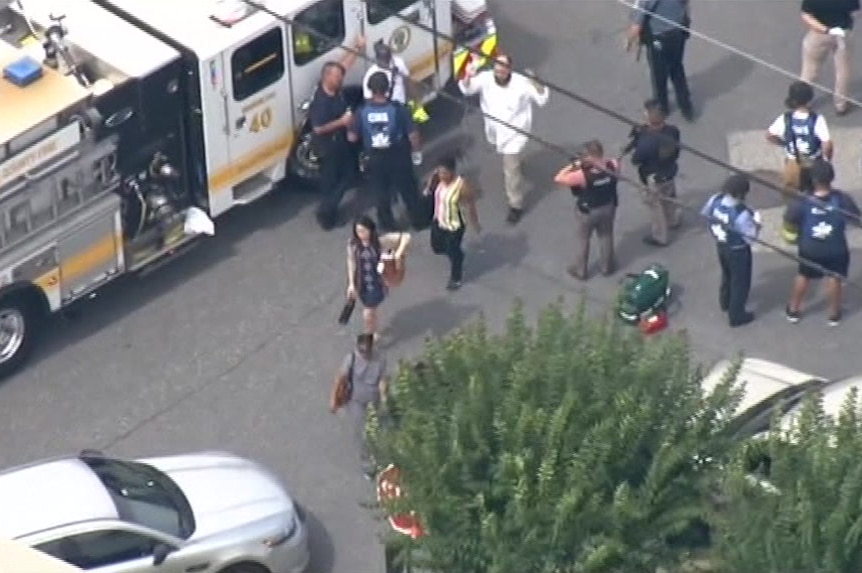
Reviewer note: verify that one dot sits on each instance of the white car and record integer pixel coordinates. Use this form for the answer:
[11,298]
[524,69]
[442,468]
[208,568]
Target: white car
[768,384]
[207,513]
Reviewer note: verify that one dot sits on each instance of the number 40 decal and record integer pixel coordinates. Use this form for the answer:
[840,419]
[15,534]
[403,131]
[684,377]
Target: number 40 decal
[261,120]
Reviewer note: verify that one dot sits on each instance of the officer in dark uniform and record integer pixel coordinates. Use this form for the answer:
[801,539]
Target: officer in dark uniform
[388,136]
[733,224]
[656,26]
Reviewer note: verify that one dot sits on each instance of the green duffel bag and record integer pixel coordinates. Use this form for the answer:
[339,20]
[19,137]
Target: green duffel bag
[644,294]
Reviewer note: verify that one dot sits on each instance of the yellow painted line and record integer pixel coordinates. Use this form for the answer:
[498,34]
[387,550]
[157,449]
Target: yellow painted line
[49,281]
[82,263]
[250,164]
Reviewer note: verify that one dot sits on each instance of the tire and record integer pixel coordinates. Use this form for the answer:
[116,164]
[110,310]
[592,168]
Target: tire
[245,568]
[19,315]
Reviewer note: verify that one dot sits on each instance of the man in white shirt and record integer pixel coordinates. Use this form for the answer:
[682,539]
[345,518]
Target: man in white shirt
[802,134]
[386,62]
[507,99]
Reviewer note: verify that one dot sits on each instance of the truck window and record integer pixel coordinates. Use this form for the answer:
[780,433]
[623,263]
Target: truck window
[258,64]
[320,29]
[379,10]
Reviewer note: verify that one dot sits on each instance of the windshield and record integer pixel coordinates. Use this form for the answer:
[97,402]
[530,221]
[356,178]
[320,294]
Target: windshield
[145,496]
[757,419]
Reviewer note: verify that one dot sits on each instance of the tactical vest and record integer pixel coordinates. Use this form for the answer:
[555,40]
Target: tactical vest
[723,228]
[600,187]
[823,224]
[800,140]
[380,129]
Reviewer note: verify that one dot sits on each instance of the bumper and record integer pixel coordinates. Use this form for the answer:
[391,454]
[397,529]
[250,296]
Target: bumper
[292,557]
[487,46]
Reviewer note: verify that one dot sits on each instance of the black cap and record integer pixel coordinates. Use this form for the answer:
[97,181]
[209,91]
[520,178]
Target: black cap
[737,185]
[382,53]
[799,94]
[822,172]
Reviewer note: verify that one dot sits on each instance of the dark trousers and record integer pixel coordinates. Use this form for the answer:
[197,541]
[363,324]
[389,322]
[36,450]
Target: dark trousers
[337,175]
[389,174]
[449,243]
[665,57]
[735,281]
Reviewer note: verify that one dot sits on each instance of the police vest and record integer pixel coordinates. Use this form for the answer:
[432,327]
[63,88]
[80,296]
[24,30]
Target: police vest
[600,187]
[380,128]
[723,228]
[799,137]
[823,224]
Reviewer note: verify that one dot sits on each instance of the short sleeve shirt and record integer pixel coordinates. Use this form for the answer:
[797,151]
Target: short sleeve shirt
[367,375]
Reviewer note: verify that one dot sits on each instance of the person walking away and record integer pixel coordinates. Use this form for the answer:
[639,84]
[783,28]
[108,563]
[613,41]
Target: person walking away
[733,225]
[804,136]
[388,136]
[330,116]
[829,23]
[452,196]
[366,250]
[507,100]
[656,156]
[363,374]
[661,27]
[822,219]
[401,89]
[593,181]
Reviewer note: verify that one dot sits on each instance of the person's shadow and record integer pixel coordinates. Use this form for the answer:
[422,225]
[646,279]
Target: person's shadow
[493,251]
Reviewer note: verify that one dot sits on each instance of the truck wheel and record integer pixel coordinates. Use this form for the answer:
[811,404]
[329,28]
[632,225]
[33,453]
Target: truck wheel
[18,317]
[304,163]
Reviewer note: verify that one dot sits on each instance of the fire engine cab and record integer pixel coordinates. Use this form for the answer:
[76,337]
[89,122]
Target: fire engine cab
[127,126]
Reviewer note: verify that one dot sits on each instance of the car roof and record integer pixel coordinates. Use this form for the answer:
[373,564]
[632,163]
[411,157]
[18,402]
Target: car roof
[762,379]
[51,494]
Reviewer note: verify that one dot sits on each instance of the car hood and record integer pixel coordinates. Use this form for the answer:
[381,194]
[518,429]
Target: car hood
[225,491]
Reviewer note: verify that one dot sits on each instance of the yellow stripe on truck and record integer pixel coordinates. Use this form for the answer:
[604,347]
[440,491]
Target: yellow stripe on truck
[488,46]
[99,254]
[424,65]
[251,164]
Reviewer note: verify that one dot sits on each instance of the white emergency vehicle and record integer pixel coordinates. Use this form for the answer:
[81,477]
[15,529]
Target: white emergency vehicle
[126,126]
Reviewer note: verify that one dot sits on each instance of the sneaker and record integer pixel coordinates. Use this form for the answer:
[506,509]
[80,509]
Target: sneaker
[835,319]
[453,285]
[514,216]
[793,316]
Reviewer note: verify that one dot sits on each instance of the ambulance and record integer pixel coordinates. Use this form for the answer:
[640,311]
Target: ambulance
[128,126]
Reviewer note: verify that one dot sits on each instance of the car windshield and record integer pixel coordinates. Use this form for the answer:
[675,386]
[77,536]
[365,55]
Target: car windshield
[145,496]
[756,419]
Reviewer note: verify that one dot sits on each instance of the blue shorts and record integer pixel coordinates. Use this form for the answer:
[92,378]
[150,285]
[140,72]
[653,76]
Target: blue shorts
[372,298]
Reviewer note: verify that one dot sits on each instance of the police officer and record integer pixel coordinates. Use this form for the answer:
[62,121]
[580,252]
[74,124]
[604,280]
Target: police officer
[733,224]
[388,136]
[661,26]
[656,147]
[803,135]
[822,219]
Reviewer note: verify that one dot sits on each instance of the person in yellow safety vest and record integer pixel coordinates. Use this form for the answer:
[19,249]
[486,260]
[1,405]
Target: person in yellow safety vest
[398,74]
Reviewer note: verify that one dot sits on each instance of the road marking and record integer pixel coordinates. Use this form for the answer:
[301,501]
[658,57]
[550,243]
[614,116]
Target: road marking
[749,151]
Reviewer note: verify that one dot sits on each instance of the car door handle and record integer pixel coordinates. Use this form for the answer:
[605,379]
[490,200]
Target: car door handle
[240,122]
[412,17]
[198,567]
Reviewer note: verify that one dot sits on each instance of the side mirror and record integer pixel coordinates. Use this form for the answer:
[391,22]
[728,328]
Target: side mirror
[160,553]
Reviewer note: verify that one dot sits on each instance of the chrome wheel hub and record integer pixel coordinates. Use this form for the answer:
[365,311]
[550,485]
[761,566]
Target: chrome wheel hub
[12,328]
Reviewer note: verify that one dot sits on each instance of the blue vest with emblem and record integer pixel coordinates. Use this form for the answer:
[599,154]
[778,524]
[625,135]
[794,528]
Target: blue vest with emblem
[380,129]
[823,224]
[723,228]
[799,137]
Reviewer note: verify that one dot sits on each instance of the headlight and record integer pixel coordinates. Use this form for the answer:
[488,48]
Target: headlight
[288,533]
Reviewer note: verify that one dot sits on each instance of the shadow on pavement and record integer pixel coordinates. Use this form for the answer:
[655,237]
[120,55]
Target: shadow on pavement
[321,546]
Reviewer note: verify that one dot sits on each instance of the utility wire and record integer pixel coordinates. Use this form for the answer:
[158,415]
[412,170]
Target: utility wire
[592,104]
[556,148]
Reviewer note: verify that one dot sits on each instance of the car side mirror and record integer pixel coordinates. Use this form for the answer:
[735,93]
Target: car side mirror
[160,553]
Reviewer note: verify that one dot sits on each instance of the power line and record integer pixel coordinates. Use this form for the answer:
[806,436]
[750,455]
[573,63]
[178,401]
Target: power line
[592,104]
[554,147]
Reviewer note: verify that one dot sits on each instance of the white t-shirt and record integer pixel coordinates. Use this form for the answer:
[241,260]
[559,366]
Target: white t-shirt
[399,92]
[821,130]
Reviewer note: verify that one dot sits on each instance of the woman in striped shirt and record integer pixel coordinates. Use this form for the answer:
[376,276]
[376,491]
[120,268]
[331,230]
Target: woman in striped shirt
[452,196]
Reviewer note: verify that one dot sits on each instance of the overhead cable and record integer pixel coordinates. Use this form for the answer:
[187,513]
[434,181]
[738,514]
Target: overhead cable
[567,154]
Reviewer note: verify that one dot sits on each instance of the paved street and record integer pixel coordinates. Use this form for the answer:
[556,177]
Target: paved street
[234,346]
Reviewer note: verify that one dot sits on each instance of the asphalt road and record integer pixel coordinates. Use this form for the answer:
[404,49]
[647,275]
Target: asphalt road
[234,346]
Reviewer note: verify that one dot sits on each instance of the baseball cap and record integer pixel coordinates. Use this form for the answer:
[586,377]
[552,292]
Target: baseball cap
[382,53]
[822,172]
[799,94]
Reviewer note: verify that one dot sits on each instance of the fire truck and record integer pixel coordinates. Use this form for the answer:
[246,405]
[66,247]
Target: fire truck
[127,126]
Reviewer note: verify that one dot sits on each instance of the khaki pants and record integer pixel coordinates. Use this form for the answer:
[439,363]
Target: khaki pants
[664,215]
[815,48]
[513,180]
[601,221]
